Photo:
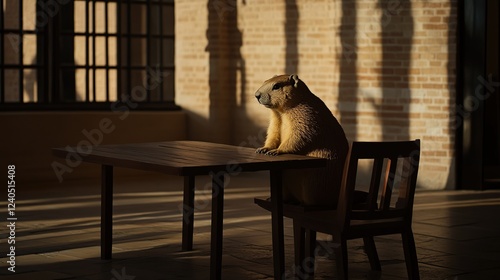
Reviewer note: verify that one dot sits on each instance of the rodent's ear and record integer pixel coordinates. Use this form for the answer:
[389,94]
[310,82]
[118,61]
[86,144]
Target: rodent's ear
[295,80]
[275,76]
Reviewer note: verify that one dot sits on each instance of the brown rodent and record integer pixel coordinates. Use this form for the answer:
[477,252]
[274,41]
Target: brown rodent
[302,124]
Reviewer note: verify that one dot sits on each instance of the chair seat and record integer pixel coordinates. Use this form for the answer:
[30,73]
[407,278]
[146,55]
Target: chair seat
[290,210]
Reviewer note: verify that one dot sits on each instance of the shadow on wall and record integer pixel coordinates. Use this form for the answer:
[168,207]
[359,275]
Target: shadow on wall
[229,121]
[348,84]
[291,34]
[397,39]
[227,113]
[397,29]
[451,71]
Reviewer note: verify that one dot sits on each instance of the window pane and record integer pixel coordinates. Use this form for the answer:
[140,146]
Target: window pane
[112,85]
[138,19]
[11,48]
[79,16]
[100,50]
[68,77]
[30,16]
[81,84]
[112,50]
[112,17]
[29,49]
[154,20]
[168,20]
[168,52]
[12,86]
[138,51]
[100,85]
[99,17]
[138,91]
[168,87]
[80,50]
[11,14]
[30,85]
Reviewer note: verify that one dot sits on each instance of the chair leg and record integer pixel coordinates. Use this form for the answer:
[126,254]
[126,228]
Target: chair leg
[340,249]
[410,255]
[304,246]
[371,251]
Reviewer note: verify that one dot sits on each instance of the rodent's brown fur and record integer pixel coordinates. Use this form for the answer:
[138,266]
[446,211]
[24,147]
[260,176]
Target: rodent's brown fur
[302,124]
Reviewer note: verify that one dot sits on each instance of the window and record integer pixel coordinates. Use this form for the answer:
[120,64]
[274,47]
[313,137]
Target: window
[86,54]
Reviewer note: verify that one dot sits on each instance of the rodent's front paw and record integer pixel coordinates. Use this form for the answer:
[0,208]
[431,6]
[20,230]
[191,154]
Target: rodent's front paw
[273,152]
[262,150]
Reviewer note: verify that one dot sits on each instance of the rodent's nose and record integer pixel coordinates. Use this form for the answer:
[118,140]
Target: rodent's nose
[257,95]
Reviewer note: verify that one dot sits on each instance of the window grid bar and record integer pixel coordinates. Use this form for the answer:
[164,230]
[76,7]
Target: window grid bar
[129,52]
[132,67]
[119,51]
[20,53]
[40,59]
[51,68]
[148,43]
[106,47]
[66,66]
[87,52]
[102,34]
[27,66]
[162,84]
[19,31]
[155,2]
[94,59]
[2,53]
[77,106]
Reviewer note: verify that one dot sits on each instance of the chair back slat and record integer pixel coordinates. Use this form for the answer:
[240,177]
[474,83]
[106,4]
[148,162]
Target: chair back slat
[378,164]
[407,191]
[389,178]
[344,205]
[395,167]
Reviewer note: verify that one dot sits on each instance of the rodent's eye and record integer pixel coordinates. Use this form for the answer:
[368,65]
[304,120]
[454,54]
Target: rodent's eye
[276,86]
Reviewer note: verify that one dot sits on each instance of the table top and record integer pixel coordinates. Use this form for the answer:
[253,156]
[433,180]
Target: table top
[186,158]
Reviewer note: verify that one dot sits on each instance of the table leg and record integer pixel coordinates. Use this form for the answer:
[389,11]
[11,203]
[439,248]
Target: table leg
[277,223]
[106,211]
[188,214]
[216,234]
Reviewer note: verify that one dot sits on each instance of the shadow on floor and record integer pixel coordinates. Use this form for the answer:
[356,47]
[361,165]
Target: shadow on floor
[57,236]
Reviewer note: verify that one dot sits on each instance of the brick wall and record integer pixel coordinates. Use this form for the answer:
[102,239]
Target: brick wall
[386,69]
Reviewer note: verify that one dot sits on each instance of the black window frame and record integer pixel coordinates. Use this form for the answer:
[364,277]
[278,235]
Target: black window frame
[56,68]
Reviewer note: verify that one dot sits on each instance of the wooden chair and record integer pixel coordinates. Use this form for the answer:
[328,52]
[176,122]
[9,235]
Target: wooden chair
[394,170]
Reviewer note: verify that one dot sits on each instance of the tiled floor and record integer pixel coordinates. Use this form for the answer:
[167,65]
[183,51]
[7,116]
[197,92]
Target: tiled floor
[57,234]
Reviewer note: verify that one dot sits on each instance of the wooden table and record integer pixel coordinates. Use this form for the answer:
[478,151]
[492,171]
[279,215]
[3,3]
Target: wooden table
[189,159]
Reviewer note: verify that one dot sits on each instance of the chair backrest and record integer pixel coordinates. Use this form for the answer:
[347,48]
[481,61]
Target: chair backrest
[394,170]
